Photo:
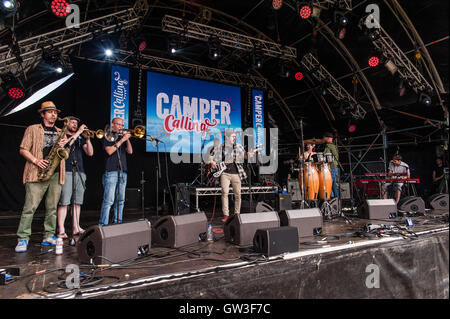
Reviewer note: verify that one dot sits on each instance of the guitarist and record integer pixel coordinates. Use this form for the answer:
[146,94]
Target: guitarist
[232,154]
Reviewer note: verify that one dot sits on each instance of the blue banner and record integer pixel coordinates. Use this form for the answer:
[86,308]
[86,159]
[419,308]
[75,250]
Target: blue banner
[120,78]
[188,114]
[258,118]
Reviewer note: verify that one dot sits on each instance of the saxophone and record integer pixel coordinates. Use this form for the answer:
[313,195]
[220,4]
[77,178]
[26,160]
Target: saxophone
[55,156]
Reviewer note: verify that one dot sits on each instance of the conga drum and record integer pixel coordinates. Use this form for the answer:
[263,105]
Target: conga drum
[311,181]
[325,181]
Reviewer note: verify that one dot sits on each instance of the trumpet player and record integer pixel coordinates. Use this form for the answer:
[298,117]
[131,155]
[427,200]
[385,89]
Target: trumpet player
[115,176]
[38,141]
[74,186]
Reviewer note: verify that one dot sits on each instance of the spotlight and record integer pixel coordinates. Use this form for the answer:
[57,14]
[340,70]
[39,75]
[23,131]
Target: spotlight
[9,5]
[374,61]
[277,4]
[284,70]
[373,35]
[108,52]
[391,67]
[257,59]
[12,85]
[424,99]
[299,76]
[304,10]
[142,46]
[322,89]
[59,69]
[173,45]
[60,8]
[401,88]
[15,93]
[214,48]
[351,127]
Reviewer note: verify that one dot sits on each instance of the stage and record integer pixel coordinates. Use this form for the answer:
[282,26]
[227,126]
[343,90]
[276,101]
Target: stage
[343,262]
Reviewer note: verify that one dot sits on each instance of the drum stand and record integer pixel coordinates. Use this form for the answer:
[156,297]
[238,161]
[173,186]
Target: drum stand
[302,167]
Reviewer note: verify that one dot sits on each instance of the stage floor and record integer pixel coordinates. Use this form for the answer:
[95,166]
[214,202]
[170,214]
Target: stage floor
[322,268]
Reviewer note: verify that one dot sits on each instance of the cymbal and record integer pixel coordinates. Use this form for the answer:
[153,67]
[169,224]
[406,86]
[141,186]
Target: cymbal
[313,141]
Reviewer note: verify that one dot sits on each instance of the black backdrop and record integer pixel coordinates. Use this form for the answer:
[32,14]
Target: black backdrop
[87,96]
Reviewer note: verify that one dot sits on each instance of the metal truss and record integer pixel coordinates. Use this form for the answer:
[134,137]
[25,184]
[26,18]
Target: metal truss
[234,40]
[332,85]
[405,68]
[27,53]
[153,63]
[341,4]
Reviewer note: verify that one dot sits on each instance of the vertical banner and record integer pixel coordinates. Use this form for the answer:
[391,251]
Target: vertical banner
[120,78]
[258,118]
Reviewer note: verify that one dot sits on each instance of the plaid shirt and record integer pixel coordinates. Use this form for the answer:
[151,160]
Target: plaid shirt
[230,154]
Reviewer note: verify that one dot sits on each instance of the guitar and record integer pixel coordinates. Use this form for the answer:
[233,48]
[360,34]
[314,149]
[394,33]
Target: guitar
[222,166]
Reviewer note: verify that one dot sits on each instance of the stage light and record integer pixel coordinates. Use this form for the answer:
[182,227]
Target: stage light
[373,35]
[299,76]
[391,67]
[9,5]
[374,61]
[284,70]
[59,69]
[401,88]
[108,52]
[424,99]
[214,48]
[304,10]
[15,93]
[277,4]
[142,46]
[173,45]
[60,8]
[351,126]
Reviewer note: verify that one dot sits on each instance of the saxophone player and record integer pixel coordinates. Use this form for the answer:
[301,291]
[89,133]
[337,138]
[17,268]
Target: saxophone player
[38,141]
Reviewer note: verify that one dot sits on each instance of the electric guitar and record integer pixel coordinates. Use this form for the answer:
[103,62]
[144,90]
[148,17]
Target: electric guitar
[221,167]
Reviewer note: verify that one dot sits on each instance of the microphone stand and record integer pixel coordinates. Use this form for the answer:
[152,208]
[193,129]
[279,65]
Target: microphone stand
[302,166]
[119,176]
[142,181]
[158,176]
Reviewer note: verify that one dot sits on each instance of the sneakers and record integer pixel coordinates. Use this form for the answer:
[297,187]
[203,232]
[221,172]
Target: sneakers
[22,246]
[49,241]
[225,219]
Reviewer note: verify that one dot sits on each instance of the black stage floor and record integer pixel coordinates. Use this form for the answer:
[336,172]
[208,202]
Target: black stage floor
[339,263]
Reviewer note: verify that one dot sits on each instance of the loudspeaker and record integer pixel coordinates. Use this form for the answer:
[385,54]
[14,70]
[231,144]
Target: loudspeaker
[344,191]
[133,198]
[178,231]
[411,204]
[240,229]
[378,209]
[294,189]
[438,201]
[307,221]
[283,201]
[257,207]
[115,243]
[276,241]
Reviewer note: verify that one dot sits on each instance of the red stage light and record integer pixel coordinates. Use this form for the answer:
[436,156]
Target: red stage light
[305,12]
[277,4]
[299,76]
[374,61]
[352,128]
[15,93]
[142,46]
[60,8]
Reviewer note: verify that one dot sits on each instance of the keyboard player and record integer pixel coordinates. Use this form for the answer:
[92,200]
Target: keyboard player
[396,166]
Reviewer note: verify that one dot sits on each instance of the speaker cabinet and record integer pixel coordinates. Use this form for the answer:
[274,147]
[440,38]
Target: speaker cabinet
[344,191]
[378,209]
[256,207]
[307,221]
[240,229]
[283,201]
[294,189]
[438,201]
[276,241]
[115,243]
[178,231]
[411,204]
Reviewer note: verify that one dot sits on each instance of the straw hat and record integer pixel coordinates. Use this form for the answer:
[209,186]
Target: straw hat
[48,105]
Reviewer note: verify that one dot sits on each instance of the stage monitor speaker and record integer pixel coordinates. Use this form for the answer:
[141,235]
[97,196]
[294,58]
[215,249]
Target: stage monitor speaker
[411,204]
[114,243]
[283,201]
[178,231]
[240,229]
[378,209]
[308,221]
[344,191]
[276,241]
[294,189]
[438,201]
[257,207]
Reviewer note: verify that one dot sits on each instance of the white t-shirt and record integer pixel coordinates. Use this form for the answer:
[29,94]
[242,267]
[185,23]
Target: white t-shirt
[402,168]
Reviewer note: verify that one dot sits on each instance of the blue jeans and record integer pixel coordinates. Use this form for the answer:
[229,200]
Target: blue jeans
[110,184]
[334,176]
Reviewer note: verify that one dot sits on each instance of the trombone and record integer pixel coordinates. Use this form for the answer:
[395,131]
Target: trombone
[138,132]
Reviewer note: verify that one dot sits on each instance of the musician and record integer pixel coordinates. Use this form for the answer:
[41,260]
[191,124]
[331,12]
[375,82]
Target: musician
[36,144]
[334,167]
[74,173]
[439,177]
[233,155]
[396,166]
[115,173]
[308,153]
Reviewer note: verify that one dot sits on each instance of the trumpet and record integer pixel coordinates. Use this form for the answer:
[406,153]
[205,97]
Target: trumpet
[91,133]
[138,132]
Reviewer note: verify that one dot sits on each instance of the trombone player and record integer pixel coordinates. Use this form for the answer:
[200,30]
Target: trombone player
[115,177]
